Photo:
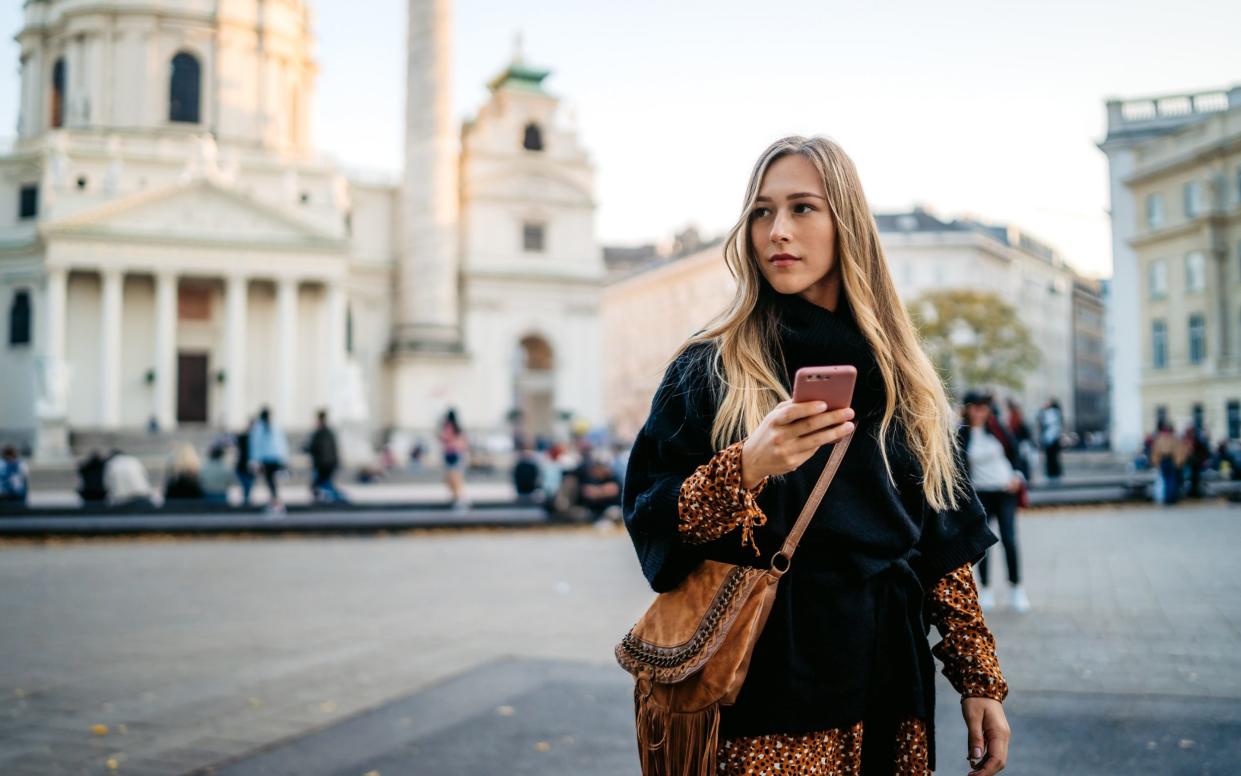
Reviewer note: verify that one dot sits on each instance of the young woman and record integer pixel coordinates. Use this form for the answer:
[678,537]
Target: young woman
[454,444]
[725,461]
[992,461]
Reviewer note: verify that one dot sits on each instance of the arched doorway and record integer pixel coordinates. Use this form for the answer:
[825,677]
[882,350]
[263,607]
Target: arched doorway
[534,386]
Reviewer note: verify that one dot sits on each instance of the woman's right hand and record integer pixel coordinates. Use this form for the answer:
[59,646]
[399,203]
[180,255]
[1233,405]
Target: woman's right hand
[789,436]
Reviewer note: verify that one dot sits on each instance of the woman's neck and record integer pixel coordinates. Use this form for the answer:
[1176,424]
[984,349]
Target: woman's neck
[824,292]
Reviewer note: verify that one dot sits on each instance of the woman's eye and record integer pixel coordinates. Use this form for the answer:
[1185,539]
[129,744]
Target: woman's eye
[758,212]
[809,208]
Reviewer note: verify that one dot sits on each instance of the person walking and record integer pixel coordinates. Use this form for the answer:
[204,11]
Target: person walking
[992,463]
[725,461]
[269,449]
[324,461]
[454,444]
[1019,429]
[1051,423]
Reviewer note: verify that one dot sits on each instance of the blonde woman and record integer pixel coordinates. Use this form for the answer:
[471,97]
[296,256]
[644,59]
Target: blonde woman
[842,678]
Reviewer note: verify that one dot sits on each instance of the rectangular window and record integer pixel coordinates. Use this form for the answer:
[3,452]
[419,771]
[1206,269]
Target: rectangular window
[19,318]
[1197,338]
[28,204]
[1154,211]
[1199,416]
[532,239]
[1157,279]
[1194,204]
[1195,272]
[1161,415]
[1233,414]
[1159,344]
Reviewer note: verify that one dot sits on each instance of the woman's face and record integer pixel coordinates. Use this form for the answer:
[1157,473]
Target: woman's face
[977,413]
[793,234]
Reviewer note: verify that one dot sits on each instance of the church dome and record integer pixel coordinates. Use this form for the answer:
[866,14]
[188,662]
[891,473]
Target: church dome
[241,70]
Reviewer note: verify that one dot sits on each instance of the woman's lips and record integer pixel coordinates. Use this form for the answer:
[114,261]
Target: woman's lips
[783,260]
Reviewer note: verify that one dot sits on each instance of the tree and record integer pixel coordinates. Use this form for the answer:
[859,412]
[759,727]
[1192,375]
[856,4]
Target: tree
[974,338]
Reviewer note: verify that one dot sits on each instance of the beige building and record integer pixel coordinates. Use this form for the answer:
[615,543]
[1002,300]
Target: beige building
[173,248]
[1186,183]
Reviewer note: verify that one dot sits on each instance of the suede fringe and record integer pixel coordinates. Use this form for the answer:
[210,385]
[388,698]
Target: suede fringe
[673,743]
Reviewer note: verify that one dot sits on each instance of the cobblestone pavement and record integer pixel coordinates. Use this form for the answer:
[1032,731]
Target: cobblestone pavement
[490,652]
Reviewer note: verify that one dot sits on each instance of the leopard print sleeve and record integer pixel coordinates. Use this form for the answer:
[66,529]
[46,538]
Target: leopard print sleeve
[713,502]
[968,648]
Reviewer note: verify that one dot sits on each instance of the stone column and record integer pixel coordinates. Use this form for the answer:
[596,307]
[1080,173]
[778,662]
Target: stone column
[236,291]
[334,310]
[286,351]
[165,349]
[110,348]
[427,276]
[52,407]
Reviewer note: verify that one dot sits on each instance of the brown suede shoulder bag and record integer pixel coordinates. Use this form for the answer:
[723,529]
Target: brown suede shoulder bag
[690,651]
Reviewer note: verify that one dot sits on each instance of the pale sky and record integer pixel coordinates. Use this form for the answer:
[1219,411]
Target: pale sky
[983,108]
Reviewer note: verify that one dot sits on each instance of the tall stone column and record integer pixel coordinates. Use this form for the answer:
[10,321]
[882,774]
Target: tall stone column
[236,290]
[286,351]
[110,349]
[165,349]
[427,276]
[334,310]
[52,407]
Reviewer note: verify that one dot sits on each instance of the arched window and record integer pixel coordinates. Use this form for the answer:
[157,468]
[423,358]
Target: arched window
[184,89]
[58,93]
[533,141]
[19,319]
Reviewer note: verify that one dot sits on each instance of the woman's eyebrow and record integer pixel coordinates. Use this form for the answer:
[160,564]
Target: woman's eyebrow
[798,195]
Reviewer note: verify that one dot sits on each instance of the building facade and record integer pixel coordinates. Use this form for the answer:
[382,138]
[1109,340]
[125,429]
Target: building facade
[1173,322]
[1182,255]
[175,251]
[926,253]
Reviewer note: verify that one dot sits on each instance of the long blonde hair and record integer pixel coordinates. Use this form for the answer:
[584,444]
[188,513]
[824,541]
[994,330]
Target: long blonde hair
[746,334]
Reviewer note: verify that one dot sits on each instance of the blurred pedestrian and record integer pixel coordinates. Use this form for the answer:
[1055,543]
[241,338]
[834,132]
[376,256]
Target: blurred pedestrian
[269,449]
[182,482]
[1051,425]
[1197,453]
[1167,457]
[242,467]
[528,473]
[991,464]
[91,486]
[126,481]
[217,476]
[454,443]
[324,460]
[14,479]
[598,487]
[1019,429]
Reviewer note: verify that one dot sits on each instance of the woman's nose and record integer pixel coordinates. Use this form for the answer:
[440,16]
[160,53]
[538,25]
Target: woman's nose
[779,229]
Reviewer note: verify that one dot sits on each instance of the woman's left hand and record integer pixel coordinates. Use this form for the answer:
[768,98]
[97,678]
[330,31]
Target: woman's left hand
[988,735]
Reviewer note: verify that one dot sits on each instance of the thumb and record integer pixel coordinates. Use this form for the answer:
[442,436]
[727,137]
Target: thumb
[975,740]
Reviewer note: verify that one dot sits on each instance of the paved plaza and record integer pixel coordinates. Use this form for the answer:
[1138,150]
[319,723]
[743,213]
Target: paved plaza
[489,652]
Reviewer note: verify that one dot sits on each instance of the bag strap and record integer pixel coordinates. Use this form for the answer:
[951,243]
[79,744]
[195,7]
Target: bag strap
[780,561]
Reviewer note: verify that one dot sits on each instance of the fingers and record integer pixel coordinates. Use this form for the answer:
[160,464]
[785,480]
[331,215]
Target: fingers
[975,743]
[825,437]
[997,734]
[820,420]
[796,411]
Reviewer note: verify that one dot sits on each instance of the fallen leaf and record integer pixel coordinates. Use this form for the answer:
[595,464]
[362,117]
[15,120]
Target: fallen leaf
[255,703]
[122,729]
[327,707]
[99,730]
[1186,743]
[505,711]
[113,764]
[371,773]
[542,746]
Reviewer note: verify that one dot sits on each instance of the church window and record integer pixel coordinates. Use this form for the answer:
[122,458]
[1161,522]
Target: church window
[533,140]
[184,89]
[533,237]
[19,319]
[58,93]
[28,203]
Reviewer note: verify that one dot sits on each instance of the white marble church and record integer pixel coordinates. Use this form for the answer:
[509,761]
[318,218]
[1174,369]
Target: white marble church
[172,246]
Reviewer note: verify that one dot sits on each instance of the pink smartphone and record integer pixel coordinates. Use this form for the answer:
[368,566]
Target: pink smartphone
[831,384]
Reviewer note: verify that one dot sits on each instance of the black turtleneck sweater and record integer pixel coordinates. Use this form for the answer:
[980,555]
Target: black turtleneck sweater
[846,640]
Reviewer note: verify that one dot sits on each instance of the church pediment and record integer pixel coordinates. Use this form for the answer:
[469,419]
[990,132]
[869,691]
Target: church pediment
[196,212]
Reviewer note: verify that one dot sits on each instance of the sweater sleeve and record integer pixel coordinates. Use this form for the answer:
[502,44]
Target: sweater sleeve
[968,648]
[672,444]
[713,502]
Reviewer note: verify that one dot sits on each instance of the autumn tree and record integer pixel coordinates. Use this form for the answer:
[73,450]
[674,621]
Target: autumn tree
[974,338]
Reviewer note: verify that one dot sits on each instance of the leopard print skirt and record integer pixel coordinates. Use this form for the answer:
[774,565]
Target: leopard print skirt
[836,752]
